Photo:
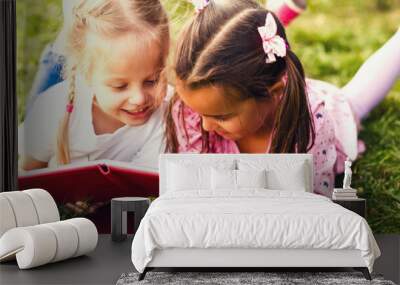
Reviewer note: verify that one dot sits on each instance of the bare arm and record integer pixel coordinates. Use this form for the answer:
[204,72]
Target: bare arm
[29,163]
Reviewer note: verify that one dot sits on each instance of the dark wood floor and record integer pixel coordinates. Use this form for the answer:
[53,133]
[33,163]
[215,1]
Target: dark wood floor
[110,260]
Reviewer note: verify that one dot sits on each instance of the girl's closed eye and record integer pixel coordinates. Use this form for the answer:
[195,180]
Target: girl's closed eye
[223,118]
[150,82]
[118,86]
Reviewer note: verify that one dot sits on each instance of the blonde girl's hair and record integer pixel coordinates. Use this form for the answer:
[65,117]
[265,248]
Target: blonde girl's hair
[221,46]
[109,19]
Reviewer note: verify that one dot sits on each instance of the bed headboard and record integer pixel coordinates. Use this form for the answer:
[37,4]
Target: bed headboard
[284,160]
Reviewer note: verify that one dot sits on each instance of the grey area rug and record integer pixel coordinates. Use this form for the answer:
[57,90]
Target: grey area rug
[231,278]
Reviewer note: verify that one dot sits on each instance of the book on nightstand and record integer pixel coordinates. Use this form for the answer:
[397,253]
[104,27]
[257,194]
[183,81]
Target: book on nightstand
[344,194]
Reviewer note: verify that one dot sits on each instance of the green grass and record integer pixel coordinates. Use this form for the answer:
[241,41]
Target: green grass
[37,25]
[332,39]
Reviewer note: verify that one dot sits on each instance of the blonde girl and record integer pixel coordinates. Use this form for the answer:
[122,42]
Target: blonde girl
[240,88]
[110,106]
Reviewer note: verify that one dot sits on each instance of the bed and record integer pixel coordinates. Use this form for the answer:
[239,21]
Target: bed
[245,211]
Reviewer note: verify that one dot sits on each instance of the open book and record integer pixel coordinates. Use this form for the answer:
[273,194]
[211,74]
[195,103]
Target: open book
[99,180]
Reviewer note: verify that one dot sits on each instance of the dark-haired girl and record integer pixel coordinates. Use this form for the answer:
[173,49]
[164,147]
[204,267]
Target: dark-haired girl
[241,89]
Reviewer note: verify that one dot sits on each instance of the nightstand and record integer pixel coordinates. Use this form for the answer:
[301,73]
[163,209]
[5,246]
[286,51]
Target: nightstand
[119,208]
[357,205]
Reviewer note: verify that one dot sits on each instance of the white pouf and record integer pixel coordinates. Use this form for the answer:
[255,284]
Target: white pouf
[32,246]
[7,218]
[26,208]
[23,208]
[66,237]
[87,233]
[31,230]
[40,244]
[45,205]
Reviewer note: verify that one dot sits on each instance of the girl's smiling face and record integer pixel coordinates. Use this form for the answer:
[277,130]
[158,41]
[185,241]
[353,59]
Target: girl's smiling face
[223,112]
[125,79]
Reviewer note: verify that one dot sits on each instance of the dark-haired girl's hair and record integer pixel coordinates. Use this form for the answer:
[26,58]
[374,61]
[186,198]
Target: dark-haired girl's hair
[221,46]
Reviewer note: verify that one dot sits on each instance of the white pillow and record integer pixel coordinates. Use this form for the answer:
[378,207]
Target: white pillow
[227,179]
[199,161]
[293,180]
[251,178]
[193,175]
[223,179]
[181,177]
[282,174]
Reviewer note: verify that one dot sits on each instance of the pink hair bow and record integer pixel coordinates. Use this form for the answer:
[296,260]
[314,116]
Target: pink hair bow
[273,44]
[200,4]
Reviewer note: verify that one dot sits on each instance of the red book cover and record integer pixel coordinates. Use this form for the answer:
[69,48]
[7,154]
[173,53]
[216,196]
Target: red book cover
[98,180]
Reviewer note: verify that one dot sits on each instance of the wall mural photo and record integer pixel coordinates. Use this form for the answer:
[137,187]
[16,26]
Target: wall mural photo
[105,86]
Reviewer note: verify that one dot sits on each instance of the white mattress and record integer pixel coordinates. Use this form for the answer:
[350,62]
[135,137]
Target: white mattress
[253,218]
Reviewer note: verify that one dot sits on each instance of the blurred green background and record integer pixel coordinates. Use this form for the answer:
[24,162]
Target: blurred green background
[332,39]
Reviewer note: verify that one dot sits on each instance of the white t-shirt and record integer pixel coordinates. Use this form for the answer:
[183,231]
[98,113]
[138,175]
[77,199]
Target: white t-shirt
[140,145]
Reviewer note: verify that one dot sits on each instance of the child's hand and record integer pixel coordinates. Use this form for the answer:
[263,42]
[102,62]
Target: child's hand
[83,208]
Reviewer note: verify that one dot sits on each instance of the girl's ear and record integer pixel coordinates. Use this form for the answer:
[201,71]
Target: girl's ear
[277,89]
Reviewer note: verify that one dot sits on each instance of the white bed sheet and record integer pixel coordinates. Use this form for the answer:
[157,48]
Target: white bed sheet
[251,218]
